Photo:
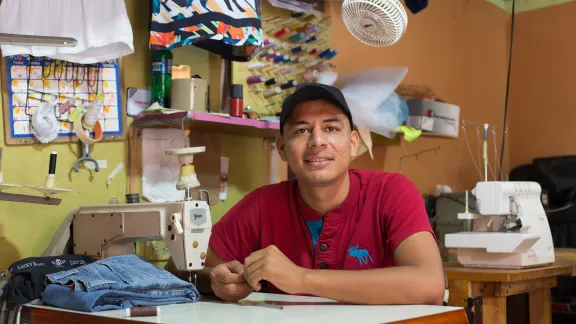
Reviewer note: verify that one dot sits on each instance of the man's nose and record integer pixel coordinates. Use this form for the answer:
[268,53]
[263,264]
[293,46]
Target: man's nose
[317,138]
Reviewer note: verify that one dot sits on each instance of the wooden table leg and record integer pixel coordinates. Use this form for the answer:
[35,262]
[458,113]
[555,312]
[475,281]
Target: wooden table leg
[494,310]
[540,303]
[459,291]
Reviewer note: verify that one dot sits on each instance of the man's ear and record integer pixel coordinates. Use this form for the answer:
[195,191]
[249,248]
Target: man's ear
[280,146]
[354,140]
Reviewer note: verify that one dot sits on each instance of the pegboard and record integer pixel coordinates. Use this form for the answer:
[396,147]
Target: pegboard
[274,20]
[27,82]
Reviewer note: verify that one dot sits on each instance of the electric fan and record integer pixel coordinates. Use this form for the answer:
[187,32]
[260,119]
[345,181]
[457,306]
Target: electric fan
[377,23]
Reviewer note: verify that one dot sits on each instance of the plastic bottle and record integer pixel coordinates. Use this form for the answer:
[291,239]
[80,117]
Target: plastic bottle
[161,77]
[93,113]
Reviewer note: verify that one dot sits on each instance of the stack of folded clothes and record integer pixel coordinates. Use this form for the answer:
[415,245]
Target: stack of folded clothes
[116,283]
[27,281]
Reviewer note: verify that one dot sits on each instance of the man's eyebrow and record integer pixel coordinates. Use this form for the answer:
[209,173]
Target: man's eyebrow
[331,120]
[301,122]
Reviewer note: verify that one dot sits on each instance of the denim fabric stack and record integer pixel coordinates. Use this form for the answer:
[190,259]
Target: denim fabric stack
[115,283]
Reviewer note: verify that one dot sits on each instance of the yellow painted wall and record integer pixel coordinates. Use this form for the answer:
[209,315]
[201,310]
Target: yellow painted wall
[28,228]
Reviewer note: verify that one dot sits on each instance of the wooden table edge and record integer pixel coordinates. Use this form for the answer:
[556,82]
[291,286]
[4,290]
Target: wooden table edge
[559,268]
[37,315]
[456,316]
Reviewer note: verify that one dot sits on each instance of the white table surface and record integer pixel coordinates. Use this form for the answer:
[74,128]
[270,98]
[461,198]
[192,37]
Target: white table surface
[214,312]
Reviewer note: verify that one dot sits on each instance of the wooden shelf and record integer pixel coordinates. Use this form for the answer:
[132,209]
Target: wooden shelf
[209,122]
[381,140]
[217,123]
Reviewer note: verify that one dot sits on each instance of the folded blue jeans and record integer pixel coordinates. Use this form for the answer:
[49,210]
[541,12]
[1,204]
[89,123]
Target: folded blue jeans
[115,283]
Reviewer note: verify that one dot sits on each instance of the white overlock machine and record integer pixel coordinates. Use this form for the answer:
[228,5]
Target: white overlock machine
[509,229]
[102,231]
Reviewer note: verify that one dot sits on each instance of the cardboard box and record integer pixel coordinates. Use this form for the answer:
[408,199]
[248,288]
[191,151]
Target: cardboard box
[445,117]
[190,94]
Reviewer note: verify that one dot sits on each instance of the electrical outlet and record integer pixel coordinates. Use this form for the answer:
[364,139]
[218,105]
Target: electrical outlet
[103,164]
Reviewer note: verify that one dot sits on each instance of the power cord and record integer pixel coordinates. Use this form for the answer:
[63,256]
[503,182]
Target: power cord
[507,91]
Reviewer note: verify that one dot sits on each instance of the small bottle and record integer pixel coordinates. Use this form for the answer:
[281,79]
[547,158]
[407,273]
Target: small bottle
[161,77]
[236,101]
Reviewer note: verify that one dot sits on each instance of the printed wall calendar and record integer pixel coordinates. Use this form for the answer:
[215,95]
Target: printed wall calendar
[28,82]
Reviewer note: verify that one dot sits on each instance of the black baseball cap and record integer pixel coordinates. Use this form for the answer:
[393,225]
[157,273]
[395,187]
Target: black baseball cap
[314,91]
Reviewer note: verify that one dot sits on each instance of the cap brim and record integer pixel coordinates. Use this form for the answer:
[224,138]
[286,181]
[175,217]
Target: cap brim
[312,92]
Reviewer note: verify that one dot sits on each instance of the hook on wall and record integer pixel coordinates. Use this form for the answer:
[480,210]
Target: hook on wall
[417,155]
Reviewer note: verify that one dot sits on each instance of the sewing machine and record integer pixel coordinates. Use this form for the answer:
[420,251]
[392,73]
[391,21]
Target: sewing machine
[185,226]
[510,229]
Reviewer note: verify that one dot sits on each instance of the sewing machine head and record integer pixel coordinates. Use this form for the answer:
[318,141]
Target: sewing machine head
[185,226]
[510,228]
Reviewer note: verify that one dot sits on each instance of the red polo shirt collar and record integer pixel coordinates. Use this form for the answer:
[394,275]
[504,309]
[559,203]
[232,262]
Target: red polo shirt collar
[340,213]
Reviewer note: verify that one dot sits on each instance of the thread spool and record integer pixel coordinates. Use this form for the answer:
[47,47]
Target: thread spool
[298,49]
[324,53]
[265,53]
[311,39]
[143,311]
[271,81]
[256,65]
[310,75]
[272,44]
[311,64]
[255,79]
[297,37]
[236,99]
[132,198]
[313,51]
[273,55]
[291,59]
[281,58]
[312,29]
[289,84]
[296,26]
[331,55]
[272,92]
[281,32]
[52,164]
[303,28]
[287,70]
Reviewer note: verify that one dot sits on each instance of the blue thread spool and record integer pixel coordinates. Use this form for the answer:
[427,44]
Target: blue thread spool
[311,39]
[297,49]
[281,58]
[297,37]
[324,53]
[330,55]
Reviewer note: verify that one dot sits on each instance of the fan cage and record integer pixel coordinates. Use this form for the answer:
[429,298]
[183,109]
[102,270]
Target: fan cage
[388,17]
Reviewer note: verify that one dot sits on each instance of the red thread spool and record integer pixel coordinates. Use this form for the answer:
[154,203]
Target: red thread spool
[142,311]
[236,101]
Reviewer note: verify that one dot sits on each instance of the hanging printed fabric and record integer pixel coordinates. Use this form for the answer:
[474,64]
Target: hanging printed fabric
[229,28]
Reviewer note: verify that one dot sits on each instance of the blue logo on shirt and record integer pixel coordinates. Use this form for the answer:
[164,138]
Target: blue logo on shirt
[362,255]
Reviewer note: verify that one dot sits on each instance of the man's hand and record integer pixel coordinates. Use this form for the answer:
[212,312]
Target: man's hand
[228,281]
[273,266]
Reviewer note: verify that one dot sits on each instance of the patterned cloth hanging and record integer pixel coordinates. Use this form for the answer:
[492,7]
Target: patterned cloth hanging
[229,28]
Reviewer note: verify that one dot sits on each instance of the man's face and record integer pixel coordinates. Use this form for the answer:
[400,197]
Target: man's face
[317,142]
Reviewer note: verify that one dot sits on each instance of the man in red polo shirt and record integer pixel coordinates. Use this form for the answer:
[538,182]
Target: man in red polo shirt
[351,235]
